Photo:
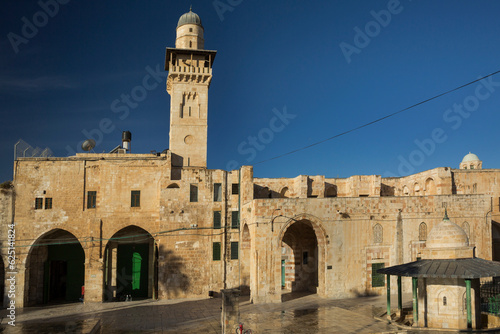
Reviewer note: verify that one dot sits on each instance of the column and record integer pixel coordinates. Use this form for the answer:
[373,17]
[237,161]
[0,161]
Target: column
[388,297]
[468,302]
[415,301]
[400,300]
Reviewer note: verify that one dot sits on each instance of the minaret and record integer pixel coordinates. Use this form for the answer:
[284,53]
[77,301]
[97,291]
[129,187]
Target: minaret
[189,69]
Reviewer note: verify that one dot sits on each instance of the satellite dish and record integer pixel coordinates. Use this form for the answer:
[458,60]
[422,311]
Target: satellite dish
[88,145]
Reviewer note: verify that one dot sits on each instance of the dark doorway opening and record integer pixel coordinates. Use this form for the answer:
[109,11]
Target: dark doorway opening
[55,269]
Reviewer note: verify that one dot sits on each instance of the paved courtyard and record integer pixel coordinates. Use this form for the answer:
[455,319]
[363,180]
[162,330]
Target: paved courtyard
[299,314]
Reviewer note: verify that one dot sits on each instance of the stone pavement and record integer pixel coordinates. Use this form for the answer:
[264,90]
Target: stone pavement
[301,314]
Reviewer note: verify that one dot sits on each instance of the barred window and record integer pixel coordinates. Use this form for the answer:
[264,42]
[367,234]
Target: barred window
[135,199]
[38,203]
[48,203]
[91,199]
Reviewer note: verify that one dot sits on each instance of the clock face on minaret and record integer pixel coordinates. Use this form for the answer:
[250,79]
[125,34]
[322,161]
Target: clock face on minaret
[189,68]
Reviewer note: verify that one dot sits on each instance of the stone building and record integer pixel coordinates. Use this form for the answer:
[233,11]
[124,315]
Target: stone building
[164,226]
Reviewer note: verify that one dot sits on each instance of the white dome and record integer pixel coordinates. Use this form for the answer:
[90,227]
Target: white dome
[470,157]
[447,234]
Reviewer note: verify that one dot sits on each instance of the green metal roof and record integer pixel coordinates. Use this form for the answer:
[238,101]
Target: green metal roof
[189,18]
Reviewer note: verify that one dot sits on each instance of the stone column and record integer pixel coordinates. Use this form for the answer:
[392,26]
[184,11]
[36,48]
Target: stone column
[230,310]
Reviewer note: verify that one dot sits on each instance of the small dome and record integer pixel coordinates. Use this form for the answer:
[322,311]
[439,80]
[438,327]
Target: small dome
[447,235]
[470,157]
[189,18]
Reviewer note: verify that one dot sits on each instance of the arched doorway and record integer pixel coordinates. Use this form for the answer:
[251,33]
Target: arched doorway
[55,269]
[245,261]
[130,265]
[301,252]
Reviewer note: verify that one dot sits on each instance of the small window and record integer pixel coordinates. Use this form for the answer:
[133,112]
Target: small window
[217,219]
[445,302]
[305,257]
[217,192]
[377,279]
[91,199]
[189,111]
[48,203]
[38,203]
[234,250]
[471,166]
[235,189]
[135,199]
[378,234]
[422,232]
[193,193]
[235,219]
[190,44]
[190,29]
[216,251]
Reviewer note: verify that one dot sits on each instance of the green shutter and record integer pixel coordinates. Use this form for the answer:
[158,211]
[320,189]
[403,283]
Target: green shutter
[234,250]
[216,251]
[217,220]
[235,219]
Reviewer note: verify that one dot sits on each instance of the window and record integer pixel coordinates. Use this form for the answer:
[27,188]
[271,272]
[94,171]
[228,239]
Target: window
[377,279]
[378,234]
[216,251]
[135,201]
[189,111]
[217,192]
[471,166]
[38,203]
[235,189]
[422,232]
[193,193]
[91,199]
[235,219]
[190,29]
[445,302]
[217,216]
[48,203]
[234,250]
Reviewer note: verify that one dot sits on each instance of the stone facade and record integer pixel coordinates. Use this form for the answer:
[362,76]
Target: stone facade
[164,226]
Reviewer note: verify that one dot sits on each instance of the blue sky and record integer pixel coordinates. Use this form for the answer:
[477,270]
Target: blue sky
[287,75]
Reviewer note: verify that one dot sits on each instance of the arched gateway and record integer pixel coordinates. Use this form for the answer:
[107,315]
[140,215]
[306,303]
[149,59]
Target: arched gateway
[55,269]
[130,265]
[303,251]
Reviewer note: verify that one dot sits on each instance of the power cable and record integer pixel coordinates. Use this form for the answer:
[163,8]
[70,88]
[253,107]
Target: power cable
[377,120]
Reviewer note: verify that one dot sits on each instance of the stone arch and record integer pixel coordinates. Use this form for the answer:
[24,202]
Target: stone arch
[416,189]
[406,191]
[284,192]
[422,232]
[130,262]
[306,240]
[331,191]
[430,186]
[245,260]
[446,301]
[55,268]
[173,186]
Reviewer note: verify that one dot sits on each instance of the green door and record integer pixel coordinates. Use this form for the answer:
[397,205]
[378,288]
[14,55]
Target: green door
[282,273]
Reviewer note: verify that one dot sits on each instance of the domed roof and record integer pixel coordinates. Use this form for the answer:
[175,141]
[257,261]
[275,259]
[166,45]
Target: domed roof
[470,157]
[189,18]
[447,235]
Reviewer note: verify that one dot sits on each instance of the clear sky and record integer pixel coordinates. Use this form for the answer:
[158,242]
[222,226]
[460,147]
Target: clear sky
[287,74]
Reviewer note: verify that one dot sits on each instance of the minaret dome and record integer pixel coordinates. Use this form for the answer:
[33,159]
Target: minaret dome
[190,32]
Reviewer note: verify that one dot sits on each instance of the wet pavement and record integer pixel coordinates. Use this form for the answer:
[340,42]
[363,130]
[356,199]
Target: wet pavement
[301,314]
